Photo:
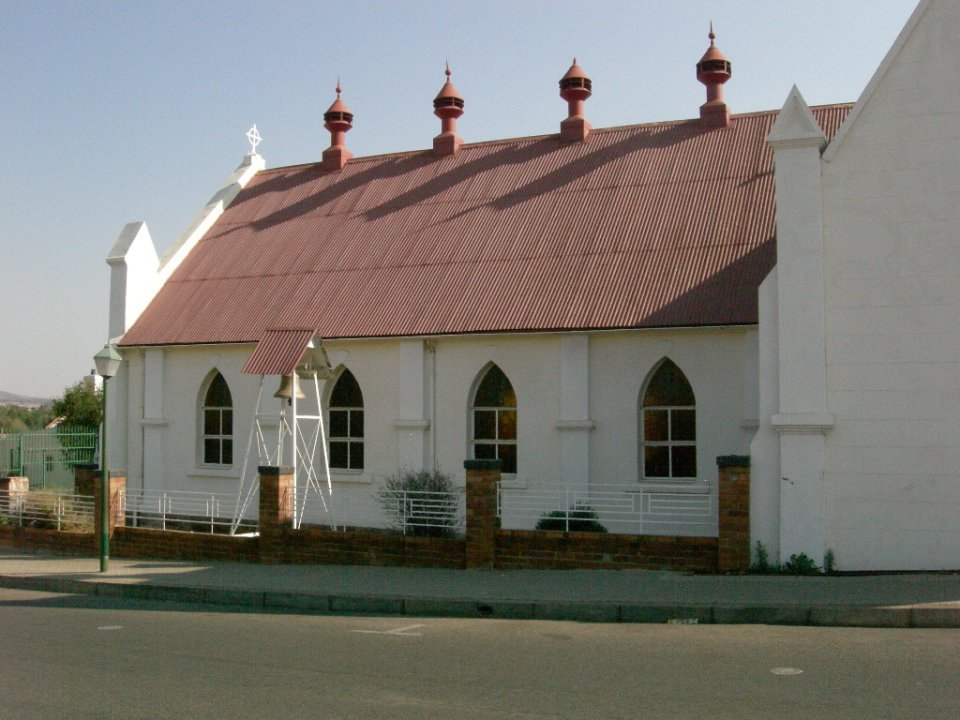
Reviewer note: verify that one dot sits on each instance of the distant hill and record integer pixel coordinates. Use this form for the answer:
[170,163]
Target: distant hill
[8,398]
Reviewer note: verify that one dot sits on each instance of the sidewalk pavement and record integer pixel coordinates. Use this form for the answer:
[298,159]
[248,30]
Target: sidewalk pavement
[913,600]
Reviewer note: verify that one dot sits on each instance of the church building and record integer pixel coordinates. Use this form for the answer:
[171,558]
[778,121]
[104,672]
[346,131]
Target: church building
[593,307]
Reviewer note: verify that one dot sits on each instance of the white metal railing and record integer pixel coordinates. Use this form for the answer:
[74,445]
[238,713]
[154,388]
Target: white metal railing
[421,512]
[50,511]
[621,508]
[181,510]
[322,507]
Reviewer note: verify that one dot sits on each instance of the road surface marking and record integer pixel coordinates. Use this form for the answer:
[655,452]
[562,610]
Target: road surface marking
[110,627]
[786,671]
[405,631]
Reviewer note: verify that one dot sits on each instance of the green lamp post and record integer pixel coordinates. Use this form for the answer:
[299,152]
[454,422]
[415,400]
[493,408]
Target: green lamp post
[108,363]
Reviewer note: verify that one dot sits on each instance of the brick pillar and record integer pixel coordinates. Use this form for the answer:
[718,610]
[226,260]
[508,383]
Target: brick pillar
[84,478]
[482,479]
[117,495]
[734,501]
[12,490]
[276,510]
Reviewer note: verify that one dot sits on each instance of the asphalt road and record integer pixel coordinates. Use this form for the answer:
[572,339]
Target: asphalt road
[82,657]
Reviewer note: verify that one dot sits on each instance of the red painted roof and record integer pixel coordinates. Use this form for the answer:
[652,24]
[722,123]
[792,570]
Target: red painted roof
[278,351]
[657,225]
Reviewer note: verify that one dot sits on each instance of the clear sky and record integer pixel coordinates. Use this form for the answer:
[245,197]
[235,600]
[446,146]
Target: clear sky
[112,112]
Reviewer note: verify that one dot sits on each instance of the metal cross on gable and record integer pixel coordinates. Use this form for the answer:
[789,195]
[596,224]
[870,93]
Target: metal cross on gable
[253,135]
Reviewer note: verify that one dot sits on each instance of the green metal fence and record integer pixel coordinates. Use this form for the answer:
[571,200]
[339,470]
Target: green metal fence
[48,457]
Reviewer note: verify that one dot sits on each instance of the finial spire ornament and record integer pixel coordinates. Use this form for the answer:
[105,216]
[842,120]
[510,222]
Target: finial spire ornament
[448,106]
[575,88]
[338,120]
[253,137]
[713,70]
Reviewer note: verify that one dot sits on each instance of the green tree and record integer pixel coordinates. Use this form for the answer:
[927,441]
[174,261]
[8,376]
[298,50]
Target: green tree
[80,405]
[15,419]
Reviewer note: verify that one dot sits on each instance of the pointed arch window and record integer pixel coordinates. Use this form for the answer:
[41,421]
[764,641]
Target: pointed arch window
[218,423]
[346,424]
[494,414]
[668,426]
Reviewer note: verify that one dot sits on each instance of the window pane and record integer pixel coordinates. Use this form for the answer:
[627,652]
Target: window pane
[655,425]
[218,394]
[684,461]
[226,425]
[356,456]
[656,462]
[227,458]
[485,451]
[684,425]
[668,386]
[338,454]
[211,422]
[495,390]
[508,456]
[507,425]
[211,451]
[356,423]
[484,424]
[338,423]
[346,393]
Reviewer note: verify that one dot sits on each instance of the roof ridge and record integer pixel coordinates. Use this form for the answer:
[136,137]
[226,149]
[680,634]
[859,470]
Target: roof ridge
[357,160]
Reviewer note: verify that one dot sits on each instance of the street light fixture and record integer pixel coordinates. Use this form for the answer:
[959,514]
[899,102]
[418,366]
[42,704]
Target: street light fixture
[108,363]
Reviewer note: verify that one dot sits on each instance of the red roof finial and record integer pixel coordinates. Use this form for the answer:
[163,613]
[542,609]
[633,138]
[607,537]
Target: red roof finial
[575,88]
[714,70]
[338,120]
[448,106]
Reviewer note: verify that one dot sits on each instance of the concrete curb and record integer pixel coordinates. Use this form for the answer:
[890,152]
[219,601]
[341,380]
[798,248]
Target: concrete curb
[599,611]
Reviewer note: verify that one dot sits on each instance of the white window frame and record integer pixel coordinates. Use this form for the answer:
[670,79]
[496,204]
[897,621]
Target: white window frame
[496,441]
[220,437]
[349,438]
[669,443]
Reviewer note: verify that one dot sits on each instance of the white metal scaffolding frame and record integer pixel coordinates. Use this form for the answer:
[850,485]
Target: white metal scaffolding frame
[305,433]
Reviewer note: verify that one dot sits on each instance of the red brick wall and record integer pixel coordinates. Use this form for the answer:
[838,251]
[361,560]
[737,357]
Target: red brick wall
[369,547]
[129,542]
[734,509]
[64,543]
[482,521]
[275,511]
[485,544]
[555,550]
[85,479]
[525,549]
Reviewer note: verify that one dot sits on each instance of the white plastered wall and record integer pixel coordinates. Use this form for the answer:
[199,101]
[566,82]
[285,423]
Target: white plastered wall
[595,415]
[136,275]
[765,448]
[891,184]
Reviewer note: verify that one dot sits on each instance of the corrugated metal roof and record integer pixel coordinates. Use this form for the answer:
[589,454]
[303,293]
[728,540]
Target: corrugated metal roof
[278,351]
[657,225]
